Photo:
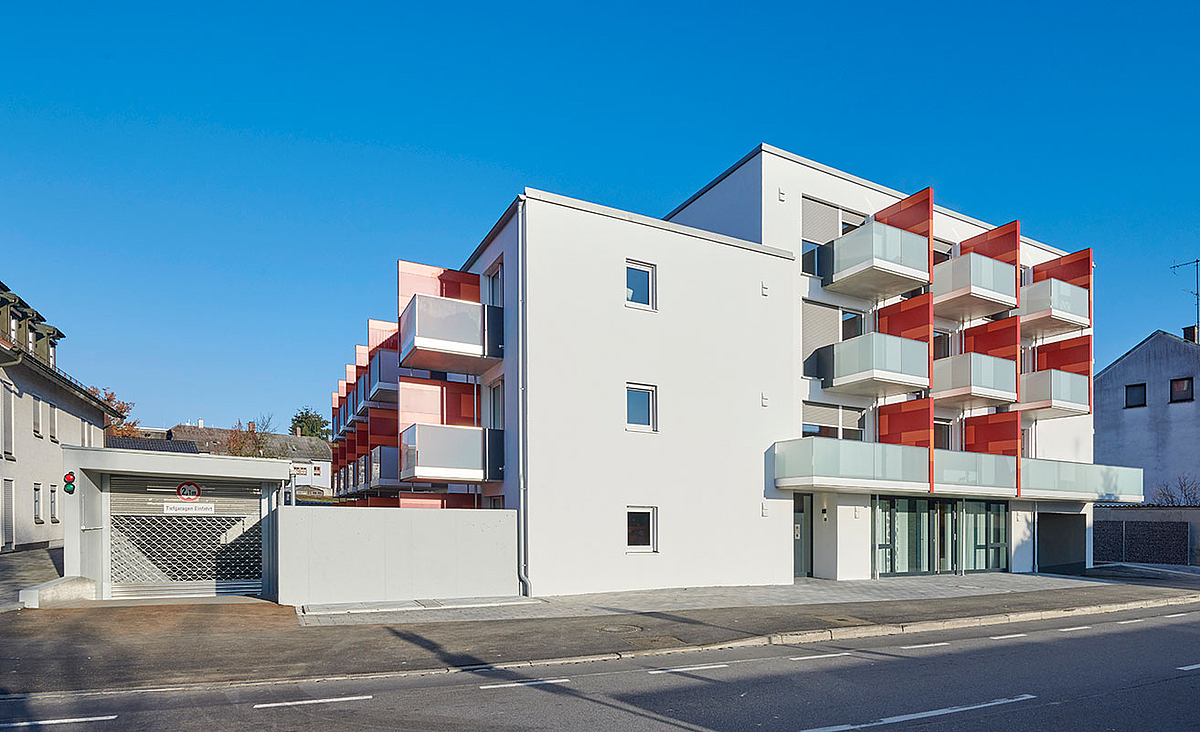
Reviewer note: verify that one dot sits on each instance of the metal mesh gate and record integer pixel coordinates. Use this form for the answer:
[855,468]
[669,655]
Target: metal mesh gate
[156,553]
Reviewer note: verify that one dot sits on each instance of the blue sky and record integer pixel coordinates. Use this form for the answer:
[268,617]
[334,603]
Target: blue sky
[209,201]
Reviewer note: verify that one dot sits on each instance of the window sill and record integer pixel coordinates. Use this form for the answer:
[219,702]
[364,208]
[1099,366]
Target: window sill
[644,430]
[54,521]
[1135,406]
[39,521]
[639,306]
[1181,401]
[641,551]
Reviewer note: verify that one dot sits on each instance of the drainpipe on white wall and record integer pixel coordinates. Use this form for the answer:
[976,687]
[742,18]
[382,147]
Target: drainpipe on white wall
[522,408]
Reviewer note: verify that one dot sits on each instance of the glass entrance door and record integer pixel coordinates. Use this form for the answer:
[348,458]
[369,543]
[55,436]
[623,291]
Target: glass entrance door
[916,536]
[945,531]
[802,535]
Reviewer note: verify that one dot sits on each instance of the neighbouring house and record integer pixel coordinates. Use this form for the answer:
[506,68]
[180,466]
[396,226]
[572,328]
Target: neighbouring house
[310,456]
[1146,412]
[797,372]
[42,408]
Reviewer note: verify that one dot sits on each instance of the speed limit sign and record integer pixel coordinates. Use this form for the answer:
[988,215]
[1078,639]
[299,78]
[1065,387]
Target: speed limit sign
[188,491]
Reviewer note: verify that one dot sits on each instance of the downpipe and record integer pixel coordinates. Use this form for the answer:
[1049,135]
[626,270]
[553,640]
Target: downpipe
[522,405]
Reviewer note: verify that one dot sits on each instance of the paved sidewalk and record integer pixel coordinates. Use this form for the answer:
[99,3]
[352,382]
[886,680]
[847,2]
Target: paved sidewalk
[19,570]
[157,645]
[803,592]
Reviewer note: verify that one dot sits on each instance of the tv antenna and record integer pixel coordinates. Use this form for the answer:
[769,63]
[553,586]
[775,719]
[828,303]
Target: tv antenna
[1195,265]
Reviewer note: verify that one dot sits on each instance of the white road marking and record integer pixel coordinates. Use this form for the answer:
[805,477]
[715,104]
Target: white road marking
[1077,627]
[921,715]
[688,668]
[42,722]
[924,645]
[823,655]
[311,701]
[1127,622]
[1193,667]
[1010,635]
[525,683]
[1175,615]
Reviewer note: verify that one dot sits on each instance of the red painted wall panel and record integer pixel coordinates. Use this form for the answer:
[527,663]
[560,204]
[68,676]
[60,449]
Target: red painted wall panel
[1074,268]
[422,279]
[912,318]
[914,213]
[1002,243]
[995,434]
[383,425]
[382,334]
[999,338]
[1073,355]
[428,401]
[906,423]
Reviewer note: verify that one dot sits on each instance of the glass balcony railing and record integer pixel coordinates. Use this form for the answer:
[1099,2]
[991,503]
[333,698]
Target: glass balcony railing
[1058,297]
[1073,481]
[880,352]
[976,272]
[876,261]
[383,376]
[975,371]
[447,453]
[975,472]
[385,465]
[444,334]
[825,460]
[1061,387]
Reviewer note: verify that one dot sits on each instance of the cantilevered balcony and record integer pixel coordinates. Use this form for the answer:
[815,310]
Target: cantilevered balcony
[385,466]
[848,465]
[973,286]
[1052,393]
[1055,479]
[1051,306]
[876,261]
[443,334]
[971,380]
[441,453]
[383,377]
[875,364]
[974,473]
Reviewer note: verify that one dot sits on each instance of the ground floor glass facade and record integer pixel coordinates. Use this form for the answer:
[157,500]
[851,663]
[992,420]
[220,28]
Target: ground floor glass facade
[939,535]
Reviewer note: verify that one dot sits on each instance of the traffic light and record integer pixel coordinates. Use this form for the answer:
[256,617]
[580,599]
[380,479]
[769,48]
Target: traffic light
[69,483]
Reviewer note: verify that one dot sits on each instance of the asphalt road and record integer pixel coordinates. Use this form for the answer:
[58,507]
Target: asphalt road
[1120,671]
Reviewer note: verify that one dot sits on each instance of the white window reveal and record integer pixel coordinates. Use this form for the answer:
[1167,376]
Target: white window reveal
[52,411]
[37,502]
[640,285]
[37,416]
[641,407]
[54,504]
[641,529]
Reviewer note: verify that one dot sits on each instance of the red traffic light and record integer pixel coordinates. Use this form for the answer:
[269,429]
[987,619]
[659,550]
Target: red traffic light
[69,478]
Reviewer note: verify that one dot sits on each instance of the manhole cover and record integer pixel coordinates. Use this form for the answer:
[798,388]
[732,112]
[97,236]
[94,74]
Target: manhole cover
[620,629]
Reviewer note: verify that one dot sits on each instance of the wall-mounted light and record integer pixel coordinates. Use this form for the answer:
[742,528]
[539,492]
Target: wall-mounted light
[824,514]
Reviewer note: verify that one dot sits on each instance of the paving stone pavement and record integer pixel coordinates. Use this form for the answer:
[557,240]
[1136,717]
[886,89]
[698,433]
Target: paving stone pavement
[803,592]
[27,568]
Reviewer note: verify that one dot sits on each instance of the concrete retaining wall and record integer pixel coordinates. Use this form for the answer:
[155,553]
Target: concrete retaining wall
[331,554]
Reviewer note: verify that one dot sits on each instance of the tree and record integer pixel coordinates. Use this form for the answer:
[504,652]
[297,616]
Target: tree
[310,423]
[123,426]
[253,439]
[1185,491]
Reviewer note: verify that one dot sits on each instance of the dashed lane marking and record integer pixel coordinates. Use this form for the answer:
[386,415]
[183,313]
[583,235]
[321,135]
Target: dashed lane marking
[822,655]
[525,683]
[688,668]
[1010,635]
[44,722]
[924,645]
[303,702]
[922,715]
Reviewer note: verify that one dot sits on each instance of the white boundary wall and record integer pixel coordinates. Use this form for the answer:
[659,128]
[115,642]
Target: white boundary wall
[353,554]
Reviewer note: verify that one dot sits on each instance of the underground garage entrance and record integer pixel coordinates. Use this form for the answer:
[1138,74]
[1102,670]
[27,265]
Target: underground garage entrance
[1061,543]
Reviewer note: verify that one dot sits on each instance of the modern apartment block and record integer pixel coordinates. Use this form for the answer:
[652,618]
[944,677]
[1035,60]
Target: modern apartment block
[1148,415]
[796,372]
[41,409]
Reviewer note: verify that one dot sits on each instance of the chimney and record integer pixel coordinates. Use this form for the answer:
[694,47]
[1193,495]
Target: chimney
[199,423]
[250,426]
[1191,333]
[297,432]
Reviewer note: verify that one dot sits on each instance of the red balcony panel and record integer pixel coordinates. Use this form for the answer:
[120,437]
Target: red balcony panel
[384,427]
[1002,243]
[351,376]
[914,214]
[362,359]
[383,501]
[995,434]
[912,318]
[382,334]
[999,338]
[907,423]
[362,440]
[1073,355]
[429,401]
[422,279]
[341,392]
[1075,269]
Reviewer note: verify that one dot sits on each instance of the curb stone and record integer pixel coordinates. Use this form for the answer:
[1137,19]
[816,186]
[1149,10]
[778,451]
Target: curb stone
[785,639]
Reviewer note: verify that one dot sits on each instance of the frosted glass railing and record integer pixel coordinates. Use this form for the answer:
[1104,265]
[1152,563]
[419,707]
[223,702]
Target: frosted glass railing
[880,241]
[974,470]
[830,458]
[440,446]
[1054,294]
[442,319]
[1098,481]
[975,270]
[975,369]
[880,352]
[1052,384]
[385,370]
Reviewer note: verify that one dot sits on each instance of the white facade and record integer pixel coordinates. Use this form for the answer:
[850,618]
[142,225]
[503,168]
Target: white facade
[312,476]
[719,347]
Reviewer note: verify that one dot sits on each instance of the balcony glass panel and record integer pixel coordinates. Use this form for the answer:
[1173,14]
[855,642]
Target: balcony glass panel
[977,370]
[882,242]
[881,352]
[974,470]
[1060,386]
[443,319]
[1096,481]
[385,371]
[831,458]
[1054,294]
[975,270]
[440,447]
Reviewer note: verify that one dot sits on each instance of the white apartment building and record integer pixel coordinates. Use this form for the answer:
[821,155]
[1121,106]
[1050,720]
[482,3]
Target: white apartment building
[797,372]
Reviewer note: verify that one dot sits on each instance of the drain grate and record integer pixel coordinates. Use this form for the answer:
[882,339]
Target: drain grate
[620,629]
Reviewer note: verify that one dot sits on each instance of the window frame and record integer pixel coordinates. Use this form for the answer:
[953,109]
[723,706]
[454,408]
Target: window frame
[651,271]
[52,414]
[816,258]
[652,390]
[37,416]
[37,504]
[53,503]
[1191,393]
[652,546]
[1131,386]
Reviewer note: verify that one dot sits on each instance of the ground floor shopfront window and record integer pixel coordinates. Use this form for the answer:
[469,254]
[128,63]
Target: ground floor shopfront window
[938,536]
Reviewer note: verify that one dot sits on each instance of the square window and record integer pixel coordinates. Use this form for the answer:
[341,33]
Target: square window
[641,411]
[810,258]
[852,324]
[1181,390]
[1135,395]
[641,529]
[639,285]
